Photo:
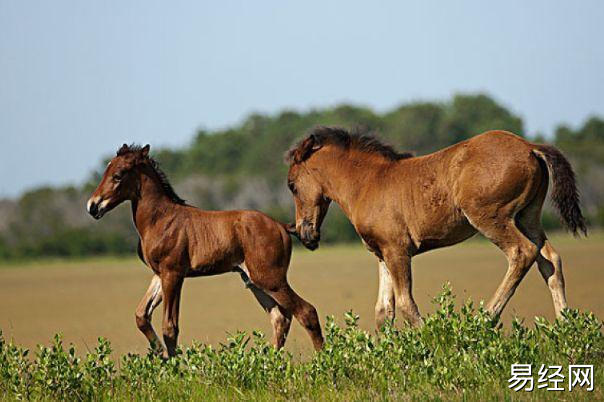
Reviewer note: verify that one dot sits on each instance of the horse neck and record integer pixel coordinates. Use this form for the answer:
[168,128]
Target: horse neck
[150,202]
[345,177]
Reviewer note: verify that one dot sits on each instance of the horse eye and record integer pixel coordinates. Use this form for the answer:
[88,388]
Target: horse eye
[117,177]
[292,187]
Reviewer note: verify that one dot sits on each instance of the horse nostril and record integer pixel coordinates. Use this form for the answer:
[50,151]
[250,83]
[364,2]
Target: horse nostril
[309,236]
[93,209]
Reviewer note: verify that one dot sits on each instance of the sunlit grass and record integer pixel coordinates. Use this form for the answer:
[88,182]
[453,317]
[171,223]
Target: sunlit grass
[460,353]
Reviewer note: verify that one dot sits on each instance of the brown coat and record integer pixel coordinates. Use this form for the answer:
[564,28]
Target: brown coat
[178,241]
[494,183]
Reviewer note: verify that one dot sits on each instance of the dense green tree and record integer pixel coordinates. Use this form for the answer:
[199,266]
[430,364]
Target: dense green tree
[227,168]
[587,142]
[468,115]
[416,127]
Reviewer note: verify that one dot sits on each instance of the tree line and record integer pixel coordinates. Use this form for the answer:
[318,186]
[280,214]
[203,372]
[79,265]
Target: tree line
[242,167]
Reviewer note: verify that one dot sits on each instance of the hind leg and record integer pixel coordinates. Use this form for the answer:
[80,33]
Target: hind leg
[271,278]
[550,266]
[521,253]
[281,321]
[548,260]
[305,313]
[280,318]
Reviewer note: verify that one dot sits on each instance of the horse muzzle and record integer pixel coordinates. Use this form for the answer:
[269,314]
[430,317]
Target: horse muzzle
[309,236]
[97,208]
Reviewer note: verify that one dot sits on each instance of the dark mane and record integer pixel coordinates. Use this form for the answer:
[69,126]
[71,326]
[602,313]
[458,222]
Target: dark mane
[163,179]
[361,140]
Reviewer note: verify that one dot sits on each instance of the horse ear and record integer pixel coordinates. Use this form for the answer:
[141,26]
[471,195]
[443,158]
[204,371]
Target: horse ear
[305,149]
[145,151]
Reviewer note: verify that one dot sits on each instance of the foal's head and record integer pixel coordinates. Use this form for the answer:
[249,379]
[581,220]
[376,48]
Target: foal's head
[120,181]
[316,155]
[311,202]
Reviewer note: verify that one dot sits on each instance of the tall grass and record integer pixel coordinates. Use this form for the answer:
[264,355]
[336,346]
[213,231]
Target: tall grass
[458,354]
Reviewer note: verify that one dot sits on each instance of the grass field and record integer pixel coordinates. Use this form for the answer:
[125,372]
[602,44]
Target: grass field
[90,298]
[454,356]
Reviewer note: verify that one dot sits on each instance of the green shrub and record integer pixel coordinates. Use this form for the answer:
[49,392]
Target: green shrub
[457,353]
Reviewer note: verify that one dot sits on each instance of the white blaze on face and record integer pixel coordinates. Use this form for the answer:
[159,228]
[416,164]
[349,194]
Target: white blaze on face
[103,204]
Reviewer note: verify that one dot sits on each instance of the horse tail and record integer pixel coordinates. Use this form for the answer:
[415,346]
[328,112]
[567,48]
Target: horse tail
[564,195]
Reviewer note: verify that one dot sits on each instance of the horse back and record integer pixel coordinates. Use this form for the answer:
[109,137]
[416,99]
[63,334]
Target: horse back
[220,240]
[429,198]
[494,169]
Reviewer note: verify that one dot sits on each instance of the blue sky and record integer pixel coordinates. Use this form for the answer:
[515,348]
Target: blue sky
[79,78]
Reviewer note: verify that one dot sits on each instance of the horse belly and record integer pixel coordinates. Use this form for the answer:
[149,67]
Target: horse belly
[211,267]
[443,233]
[209,270]
[214,263]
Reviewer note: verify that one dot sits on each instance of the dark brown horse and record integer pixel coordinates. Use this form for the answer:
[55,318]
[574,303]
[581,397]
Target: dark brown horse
[401,206]
[179,241]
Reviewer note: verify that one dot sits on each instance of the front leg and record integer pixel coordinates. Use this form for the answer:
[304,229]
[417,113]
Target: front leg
[171,283]
[384,308]
[399,267]
[145,308]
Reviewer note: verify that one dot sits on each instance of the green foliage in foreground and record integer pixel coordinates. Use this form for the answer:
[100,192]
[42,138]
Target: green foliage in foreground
[456,354]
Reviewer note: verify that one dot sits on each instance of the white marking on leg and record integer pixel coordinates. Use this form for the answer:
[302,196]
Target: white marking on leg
[386,290]
[244,268]
[155,298]
[245,275]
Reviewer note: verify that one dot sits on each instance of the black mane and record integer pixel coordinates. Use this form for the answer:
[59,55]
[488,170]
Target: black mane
[363,141]
[163,179]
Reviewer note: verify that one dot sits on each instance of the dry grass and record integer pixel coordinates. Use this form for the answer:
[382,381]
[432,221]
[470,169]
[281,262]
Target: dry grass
[90,298]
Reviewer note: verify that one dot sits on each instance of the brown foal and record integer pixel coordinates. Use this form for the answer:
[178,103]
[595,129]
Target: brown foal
[179,241]
[401,206]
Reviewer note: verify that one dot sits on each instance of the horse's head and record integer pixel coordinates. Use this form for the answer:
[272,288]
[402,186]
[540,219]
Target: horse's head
[120,181]
[311,202]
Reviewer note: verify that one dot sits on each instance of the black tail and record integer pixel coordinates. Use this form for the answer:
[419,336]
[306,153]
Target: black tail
[565,195]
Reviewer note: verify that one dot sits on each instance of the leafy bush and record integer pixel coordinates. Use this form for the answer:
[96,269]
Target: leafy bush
[457,353]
